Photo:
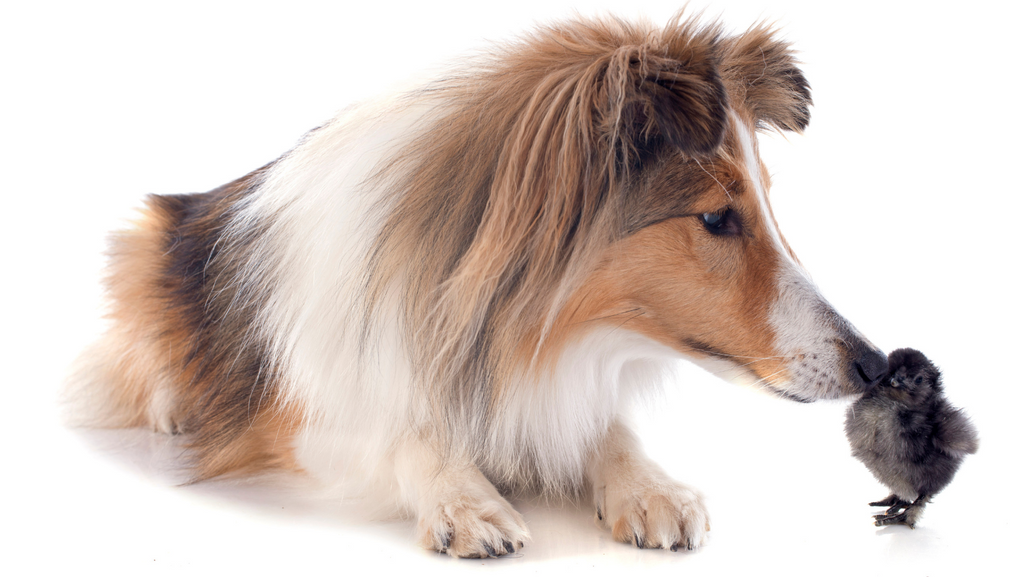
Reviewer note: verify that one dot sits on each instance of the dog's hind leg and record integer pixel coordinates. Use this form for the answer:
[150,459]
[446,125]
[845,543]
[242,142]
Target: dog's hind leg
[639,502]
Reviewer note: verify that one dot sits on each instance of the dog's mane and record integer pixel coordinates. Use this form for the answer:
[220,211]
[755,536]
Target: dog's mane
[500,207]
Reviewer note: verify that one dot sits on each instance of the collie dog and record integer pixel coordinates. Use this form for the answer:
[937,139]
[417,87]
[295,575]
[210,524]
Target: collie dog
[455,292]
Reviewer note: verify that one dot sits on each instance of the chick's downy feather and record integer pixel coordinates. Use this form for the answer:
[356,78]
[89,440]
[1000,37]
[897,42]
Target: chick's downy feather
[908,435]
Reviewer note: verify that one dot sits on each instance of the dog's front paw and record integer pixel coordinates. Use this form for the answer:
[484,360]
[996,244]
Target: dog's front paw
[660,515]
[469,525]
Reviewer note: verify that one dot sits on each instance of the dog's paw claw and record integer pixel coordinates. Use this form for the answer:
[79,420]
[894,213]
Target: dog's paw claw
[490,550]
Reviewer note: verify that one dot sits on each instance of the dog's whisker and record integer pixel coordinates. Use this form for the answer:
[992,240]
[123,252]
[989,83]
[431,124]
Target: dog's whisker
[713,177]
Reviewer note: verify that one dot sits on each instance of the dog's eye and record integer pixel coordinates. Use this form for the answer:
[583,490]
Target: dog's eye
[724,223]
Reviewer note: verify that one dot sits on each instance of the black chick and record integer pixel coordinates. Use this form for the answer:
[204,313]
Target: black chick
[909,436]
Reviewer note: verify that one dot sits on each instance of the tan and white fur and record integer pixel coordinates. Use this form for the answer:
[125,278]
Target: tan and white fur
[455,292]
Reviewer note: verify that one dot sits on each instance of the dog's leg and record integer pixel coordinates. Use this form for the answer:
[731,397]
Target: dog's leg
[459,511]
[161,409]
[639,502]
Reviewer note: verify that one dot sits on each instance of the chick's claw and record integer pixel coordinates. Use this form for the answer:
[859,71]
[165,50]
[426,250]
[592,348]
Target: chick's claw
[893,510]
[900,519]
[892,501]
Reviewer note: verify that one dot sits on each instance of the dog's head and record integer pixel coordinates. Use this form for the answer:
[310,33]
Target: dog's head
[604,173]
[703,267]
[714,278]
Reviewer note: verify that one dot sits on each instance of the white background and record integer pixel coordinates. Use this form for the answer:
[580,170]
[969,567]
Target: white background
[903,199]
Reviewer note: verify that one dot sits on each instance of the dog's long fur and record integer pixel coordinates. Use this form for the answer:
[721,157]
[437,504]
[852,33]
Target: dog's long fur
[460,288]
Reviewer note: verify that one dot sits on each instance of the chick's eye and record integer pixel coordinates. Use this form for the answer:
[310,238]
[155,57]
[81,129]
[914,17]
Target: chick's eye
[917,381]
[725,223]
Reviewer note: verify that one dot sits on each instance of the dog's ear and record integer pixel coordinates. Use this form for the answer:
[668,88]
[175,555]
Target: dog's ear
[655,99]
[761,71]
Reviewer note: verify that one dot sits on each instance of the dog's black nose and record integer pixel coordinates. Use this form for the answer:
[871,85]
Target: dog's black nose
[871,364]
